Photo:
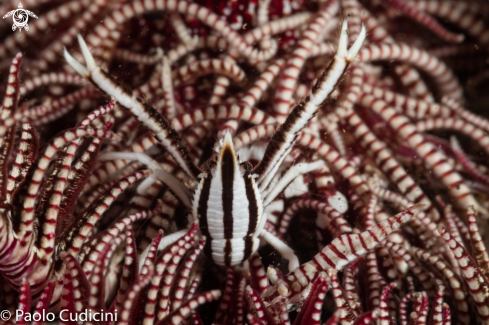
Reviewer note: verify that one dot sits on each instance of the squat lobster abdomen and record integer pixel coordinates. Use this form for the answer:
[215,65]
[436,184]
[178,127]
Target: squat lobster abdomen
[229,208]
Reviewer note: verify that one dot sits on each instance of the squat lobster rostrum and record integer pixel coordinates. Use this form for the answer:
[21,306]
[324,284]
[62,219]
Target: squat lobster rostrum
[231,195]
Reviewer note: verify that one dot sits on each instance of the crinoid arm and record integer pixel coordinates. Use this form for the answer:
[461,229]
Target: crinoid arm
[286,135]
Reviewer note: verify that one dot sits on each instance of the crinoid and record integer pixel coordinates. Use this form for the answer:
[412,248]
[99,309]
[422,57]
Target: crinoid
[245,133]
[31,220]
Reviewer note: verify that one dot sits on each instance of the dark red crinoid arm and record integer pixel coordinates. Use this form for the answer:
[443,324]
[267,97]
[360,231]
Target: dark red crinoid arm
[7,130]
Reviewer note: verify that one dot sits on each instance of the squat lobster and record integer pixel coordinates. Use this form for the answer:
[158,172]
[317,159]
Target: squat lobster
[231,195]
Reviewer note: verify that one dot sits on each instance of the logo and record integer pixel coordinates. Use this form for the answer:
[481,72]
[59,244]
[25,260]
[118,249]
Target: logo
[20,17]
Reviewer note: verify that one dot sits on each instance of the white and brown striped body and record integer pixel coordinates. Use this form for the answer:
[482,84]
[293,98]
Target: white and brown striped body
[229,207]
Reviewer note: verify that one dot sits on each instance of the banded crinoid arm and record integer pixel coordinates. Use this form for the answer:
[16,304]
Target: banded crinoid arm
[459,294]
[344,249]
[311,309]
[47,79]
[426,20]
[284,138]
[477,283]
[25,157]
[24,301]
[73,238]
[403,305]
[347,316]
[89,256]
[28,253]
[7,132]
[75,285]
[417,87]
[182,278]
[433,158]
[83,166]
[289,77]
[146,114]
[479,251]
[467,164]
[51,149]
[374,146]
[129,271]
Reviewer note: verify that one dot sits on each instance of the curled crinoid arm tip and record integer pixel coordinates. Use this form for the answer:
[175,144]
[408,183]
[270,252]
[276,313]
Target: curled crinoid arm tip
[75,64]
[455,144]
[415,209]
[418,207]
[159,52]
[147,183]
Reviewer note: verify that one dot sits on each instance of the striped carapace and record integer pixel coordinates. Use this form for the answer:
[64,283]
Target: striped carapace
[231,195]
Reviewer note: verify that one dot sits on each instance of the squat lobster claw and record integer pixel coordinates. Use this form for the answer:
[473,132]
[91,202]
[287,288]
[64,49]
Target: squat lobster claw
[230,197]
[295,286]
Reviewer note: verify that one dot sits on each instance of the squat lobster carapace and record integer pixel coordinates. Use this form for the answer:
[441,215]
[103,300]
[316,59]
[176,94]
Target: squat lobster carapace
[229,199]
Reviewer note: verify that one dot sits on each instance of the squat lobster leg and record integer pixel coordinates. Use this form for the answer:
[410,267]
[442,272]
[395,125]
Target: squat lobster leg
[344,249]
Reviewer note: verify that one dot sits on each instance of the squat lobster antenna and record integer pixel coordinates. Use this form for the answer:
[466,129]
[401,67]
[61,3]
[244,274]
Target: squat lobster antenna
[285,137]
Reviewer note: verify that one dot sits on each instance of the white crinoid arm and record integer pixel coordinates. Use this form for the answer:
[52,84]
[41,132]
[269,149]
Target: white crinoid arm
[285,136]
[182,192]
[143,112]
